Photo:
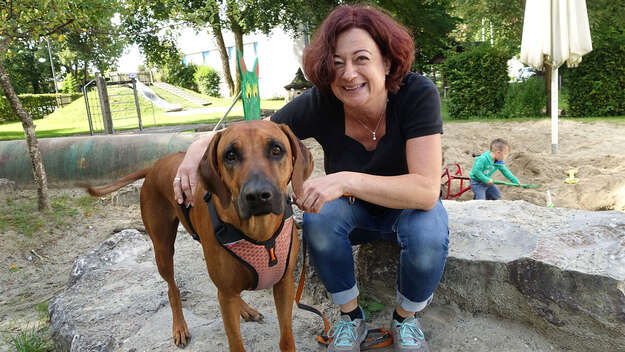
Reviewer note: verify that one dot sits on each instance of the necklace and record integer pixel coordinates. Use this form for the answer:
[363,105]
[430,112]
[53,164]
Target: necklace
[376,126]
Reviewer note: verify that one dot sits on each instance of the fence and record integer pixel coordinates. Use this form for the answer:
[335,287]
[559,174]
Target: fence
[114,104]
[143,77]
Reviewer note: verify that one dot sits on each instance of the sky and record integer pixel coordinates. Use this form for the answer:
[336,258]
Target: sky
[130,60]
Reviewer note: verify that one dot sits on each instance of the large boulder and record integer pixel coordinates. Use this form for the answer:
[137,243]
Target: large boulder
[558,270]
[518,277]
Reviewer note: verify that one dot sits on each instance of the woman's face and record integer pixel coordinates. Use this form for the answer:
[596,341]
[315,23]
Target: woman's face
[360,70]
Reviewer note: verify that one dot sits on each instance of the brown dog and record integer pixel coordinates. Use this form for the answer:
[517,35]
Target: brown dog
[247,167]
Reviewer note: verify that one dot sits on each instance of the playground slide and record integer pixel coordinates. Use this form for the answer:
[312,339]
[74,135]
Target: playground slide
[158,101]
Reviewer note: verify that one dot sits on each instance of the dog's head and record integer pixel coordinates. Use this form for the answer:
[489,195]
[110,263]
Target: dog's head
[251,163]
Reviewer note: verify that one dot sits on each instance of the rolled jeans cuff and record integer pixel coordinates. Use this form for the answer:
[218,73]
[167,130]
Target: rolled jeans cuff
[345,296]
[410,306]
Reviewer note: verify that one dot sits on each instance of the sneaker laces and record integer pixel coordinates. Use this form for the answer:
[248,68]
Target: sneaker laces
[409,332]
[343,333]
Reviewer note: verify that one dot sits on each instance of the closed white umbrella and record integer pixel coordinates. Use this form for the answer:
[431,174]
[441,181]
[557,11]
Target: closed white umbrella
[554,32]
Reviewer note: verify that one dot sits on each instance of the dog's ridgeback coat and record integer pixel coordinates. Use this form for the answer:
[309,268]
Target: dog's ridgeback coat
[247,168]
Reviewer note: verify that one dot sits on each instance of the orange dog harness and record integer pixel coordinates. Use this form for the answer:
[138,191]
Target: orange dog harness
[266,260]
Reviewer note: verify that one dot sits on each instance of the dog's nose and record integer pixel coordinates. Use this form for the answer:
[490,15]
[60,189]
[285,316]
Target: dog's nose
[258,192]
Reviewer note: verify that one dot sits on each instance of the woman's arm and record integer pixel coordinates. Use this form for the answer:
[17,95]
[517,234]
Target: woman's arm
[419,189]
[186,176]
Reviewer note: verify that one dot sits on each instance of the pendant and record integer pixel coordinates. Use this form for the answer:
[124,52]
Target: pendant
[374,136]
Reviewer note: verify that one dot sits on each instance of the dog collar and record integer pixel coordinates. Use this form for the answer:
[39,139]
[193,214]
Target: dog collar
[267,260]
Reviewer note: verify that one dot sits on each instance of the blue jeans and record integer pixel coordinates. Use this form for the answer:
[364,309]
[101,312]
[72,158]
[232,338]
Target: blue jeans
[484,191]
[422,235]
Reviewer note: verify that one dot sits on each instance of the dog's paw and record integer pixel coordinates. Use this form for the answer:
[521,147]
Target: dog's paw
[250,314]
[181,336]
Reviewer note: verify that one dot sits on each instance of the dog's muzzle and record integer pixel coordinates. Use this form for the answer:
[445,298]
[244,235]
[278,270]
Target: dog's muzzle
[258,197]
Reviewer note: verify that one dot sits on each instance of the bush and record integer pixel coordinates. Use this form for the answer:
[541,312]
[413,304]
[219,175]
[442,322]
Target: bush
[525,99]
[207,80]
[37,105]
[597,86]
[179,74]
[69,84]
[477,80]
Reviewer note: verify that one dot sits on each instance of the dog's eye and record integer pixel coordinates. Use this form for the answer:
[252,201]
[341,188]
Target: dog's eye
[231,156]
[276,150]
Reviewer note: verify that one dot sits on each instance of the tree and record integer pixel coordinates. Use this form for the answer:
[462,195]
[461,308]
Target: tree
[69,84]
[506,18]
[430,23]
[92,46]
[28,21]
[152,23]
[27,73]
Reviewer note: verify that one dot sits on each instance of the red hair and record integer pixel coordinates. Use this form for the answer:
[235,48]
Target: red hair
[393,40]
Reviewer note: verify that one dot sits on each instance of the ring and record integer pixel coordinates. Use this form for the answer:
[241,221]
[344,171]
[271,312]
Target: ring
[176,179]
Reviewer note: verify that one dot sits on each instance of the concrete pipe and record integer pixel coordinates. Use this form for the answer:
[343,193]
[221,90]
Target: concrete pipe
[94,159]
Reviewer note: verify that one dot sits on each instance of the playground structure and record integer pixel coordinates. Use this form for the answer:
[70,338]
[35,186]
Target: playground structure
[155,99]
[452,172]
[97,159]
[102,106]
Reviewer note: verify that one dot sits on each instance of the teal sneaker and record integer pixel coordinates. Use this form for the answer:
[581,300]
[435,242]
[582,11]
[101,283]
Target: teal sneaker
[408,336]
[347,335]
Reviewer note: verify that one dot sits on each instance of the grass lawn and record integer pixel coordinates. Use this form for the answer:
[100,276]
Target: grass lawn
[72,119]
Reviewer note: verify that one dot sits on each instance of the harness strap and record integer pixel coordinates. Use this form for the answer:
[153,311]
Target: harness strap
[185,212]
[244,248]
[323,338]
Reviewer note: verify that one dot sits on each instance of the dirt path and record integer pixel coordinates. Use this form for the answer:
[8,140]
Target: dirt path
[33,269]
[595,149]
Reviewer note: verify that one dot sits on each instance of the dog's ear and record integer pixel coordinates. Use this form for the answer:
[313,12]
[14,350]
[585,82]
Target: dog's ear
[209,172]
[303,162]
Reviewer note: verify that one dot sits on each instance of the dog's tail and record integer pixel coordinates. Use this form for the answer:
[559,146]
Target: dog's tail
[100,191]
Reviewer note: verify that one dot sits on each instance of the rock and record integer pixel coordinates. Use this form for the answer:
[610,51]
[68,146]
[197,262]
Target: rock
[117,301]
[506,284]
[560,271]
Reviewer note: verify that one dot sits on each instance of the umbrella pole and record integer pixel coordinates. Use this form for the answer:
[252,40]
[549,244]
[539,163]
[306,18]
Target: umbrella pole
[554,109]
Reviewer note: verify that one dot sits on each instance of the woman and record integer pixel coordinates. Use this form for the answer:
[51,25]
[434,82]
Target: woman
[380,128]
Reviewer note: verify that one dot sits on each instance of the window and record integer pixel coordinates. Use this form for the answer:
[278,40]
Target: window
[205,56]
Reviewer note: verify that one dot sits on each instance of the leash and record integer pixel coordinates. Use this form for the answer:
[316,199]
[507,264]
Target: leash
[376,338]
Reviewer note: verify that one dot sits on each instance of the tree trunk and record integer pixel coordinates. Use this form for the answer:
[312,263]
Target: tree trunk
[223,52]
[238,43]
[39,171]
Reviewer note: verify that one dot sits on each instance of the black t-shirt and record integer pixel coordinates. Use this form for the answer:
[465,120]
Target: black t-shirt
[414,111]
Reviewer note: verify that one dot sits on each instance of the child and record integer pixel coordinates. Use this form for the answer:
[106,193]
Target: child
[486,165]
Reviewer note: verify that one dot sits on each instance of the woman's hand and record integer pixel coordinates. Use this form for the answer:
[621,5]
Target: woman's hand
[320,190]
[186,176]
[186,180]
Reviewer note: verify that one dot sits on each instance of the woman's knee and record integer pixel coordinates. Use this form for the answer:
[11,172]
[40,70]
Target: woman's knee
[327,229]
[424,235]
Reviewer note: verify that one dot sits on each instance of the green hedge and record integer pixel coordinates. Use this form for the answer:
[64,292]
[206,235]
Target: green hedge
[179,74]
[477,81]
[597,86]
[207,80]
[37,105]
[525,99]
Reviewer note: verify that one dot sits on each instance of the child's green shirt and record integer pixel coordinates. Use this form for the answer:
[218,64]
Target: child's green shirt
[484,167]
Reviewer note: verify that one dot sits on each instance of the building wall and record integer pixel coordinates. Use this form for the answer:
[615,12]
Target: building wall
[279,57]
